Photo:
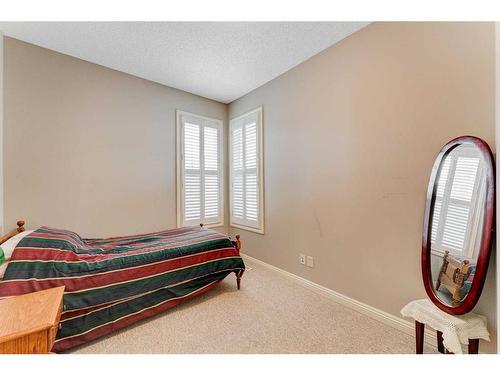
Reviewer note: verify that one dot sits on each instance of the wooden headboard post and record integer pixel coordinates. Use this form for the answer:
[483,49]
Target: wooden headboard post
[13,232]
[20,226]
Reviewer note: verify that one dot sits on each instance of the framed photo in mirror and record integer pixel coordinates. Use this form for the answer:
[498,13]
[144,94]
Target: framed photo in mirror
[459,224]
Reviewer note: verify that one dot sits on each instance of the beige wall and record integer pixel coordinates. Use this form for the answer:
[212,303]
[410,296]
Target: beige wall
[350,138]
[89,148]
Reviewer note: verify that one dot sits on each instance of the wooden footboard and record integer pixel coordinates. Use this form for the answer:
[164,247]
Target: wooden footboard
[237,243]
[238,277]
[237,246]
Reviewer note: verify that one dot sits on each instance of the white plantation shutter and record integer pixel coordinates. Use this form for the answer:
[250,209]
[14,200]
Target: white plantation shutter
[246,182]
[460,203]
[436,215]
[192,172]
[456,204]
[199,170]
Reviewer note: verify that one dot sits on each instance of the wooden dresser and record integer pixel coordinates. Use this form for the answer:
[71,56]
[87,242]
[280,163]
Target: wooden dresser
[29,322]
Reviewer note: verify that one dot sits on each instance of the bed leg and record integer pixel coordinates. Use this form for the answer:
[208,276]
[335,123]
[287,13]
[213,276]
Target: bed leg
[238,273]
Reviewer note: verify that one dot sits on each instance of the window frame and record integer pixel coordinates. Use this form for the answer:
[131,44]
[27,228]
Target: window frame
[260,171]
[219,125]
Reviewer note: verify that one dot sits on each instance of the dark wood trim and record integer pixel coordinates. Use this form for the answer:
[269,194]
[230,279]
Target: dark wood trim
[238,273]
[488,228]
[440,344]
[473,346]
[13,232]
[419,337]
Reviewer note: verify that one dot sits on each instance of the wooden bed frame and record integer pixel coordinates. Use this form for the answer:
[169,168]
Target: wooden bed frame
[13,232]
[20,228]
[237,245]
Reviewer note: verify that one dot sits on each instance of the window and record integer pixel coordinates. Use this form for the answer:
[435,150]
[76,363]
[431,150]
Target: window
[246,178]
[457,205]
[199,170]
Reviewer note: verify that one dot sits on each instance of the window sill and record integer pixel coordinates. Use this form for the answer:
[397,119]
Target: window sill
[212,225]
[249,229]
[216,225]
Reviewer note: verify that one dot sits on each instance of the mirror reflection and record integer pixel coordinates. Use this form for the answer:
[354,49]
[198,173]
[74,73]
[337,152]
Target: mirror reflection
[457,222]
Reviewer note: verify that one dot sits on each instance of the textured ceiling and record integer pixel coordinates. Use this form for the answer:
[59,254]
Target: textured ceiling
[217,60]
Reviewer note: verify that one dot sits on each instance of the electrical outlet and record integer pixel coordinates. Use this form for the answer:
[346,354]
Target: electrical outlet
[310,261]
[302,259]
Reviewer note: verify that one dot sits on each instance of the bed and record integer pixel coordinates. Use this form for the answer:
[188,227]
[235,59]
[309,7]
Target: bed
[114,282]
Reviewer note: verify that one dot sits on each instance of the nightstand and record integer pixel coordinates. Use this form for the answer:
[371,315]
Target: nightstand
[29,322]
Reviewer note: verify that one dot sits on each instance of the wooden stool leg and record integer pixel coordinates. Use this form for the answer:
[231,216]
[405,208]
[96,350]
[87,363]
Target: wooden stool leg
[440,342]
[419,337]
[473,346]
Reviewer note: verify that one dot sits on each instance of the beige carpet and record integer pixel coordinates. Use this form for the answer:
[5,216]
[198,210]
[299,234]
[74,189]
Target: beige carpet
[270,314]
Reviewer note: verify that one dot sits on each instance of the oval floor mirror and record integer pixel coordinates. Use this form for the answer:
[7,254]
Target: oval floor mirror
[459,224]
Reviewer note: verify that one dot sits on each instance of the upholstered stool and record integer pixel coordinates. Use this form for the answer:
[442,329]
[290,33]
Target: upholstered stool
[452,330]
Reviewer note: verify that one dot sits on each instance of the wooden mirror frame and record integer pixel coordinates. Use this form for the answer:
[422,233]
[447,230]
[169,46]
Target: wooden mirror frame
[488,229]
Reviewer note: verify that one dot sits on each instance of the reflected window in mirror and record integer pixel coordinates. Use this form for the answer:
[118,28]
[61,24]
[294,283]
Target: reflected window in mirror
[459,203]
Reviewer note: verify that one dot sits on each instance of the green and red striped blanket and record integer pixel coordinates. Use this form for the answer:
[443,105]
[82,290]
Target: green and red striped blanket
[114,282]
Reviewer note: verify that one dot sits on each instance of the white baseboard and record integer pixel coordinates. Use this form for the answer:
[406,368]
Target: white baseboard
[370,311]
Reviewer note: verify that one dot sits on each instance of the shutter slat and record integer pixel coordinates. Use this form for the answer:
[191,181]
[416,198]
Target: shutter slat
[251,145]
[237,196]
[211,196]
[465,178]
[443,177]
[192,198]
[458,214]
[211,149]
[191,146]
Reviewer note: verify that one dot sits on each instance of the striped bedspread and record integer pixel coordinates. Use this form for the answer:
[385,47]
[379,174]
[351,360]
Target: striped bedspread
[114,282]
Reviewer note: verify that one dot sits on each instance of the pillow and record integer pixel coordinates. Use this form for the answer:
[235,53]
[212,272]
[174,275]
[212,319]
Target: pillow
[9,245]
